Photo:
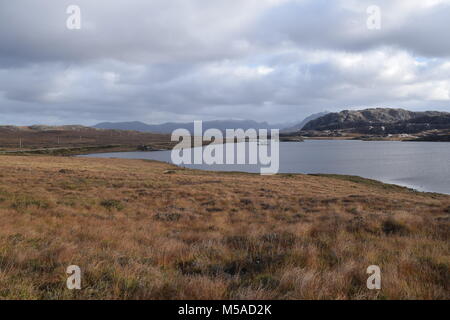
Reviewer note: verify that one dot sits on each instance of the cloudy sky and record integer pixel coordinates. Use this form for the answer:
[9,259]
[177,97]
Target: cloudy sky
[181,60]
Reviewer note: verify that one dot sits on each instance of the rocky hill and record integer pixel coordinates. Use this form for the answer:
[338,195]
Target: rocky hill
[299,126]
[381,121]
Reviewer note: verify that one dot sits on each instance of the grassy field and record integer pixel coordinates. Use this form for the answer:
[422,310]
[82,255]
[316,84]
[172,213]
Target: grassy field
[66,140]
[148,230]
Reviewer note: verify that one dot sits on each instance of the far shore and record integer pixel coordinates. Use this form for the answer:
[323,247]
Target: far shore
[168,145]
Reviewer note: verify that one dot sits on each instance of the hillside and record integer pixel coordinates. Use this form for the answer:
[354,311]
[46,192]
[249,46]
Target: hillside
[299,126]
[381,121]
[14,138]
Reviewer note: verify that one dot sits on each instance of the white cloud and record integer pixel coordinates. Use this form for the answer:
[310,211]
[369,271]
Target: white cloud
[187,59]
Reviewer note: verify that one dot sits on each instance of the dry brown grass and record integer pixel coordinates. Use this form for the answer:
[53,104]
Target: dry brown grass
[138,233]
[32,139]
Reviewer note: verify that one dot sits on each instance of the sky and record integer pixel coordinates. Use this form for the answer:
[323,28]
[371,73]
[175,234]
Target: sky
[182,60]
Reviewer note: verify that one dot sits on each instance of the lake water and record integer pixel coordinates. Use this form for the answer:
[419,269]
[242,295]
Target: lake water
[424,166]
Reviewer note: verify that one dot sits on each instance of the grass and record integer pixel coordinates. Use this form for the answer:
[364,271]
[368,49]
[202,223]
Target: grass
[112,204]
[69,141]
[138,233]
[357,179]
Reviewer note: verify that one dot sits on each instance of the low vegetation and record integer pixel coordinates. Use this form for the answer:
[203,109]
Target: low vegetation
[138,233]
[67,140]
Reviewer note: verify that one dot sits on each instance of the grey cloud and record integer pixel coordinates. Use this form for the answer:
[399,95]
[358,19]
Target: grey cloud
[332,25]
[188,59]
[154,31]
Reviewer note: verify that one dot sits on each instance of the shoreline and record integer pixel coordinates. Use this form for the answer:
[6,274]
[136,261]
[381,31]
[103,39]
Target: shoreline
[349,177]
[168,145]
[165,146]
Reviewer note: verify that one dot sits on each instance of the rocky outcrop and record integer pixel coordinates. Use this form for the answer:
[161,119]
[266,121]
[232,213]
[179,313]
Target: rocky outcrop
[380,121]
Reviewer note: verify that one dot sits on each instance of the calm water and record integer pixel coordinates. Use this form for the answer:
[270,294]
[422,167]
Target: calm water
[424,166]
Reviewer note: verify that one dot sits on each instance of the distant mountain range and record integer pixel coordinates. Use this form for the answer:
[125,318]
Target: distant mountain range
[373,121]
[380,121]
[171,126]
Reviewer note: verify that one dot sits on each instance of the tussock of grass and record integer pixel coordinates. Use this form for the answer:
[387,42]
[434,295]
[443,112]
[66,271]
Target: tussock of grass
[139,234]
[22,202]
[112,204]
[394,227]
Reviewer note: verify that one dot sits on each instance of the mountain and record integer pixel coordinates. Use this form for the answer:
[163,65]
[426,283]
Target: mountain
[380,121]
[171,126]
[299,126]
[132,126]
